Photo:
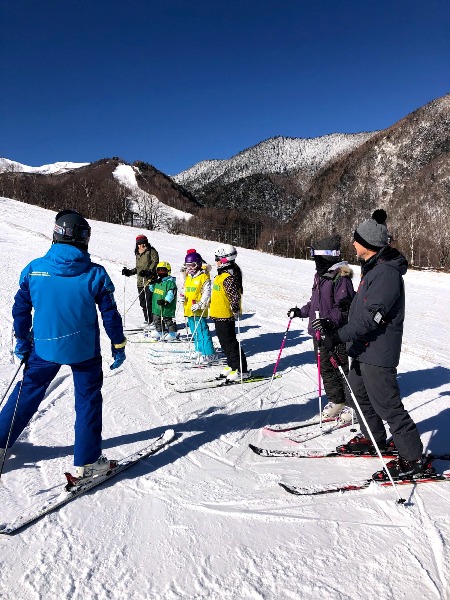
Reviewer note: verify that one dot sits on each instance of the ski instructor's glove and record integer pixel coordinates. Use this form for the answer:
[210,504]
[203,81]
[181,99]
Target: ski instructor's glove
[23,348]
[118,354]
[294,312]
[126,272]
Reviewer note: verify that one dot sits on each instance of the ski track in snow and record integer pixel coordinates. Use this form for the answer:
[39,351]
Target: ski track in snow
[206,518]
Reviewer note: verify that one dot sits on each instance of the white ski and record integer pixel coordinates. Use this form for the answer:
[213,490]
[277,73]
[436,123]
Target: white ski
[299,437]
[59,499]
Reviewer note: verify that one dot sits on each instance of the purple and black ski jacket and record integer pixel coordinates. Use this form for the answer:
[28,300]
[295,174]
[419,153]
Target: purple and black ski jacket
[327,291]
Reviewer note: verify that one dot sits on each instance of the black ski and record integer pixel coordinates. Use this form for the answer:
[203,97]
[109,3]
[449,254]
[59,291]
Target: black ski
[353,486]
[310,453]
[322,453]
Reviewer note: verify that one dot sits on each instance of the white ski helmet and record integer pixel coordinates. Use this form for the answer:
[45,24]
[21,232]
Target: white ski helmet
[226,253]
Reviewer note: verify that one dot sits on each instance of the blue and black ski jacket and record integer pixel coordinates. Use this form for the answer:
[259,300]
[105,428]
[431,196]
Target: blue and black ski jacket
[64,288]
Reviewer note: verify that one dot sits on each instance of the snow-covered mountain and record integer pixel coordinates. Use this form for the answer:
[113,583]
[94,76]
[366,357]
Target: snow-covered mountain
[404,169]
[311,187]
[11,166]
[283,191]
[275,155]
[127,175]
[107,189]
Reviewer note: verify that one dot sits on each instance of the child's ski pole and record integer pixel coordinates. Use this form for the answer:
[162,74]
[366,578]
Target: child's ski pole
[318,372]
[279,354]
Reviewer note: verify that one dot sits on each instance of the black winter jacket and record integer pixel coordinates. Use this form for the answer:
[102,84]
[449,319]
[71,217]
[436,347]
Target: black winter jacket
[375,323]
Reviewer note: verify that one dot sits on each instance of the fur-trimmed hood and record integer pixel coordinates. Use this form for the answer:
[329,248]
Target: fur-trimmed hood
[343,269]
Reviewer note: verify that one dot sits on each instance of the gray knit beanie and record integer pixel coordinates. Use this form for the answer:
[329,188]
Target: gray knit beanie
[372,235]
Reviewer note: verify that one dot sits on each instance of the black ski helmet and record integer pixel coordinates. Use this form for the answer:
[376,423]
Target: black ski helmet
[71,228]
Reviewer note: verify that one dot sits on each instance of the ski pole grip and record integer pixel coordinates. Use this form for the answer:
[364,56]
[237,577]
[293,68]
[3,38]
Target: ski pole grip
[317,332]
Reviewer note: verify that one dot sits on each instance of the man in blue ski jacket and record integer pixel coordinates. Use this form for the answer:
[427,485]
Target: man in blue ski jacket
[373,336]
[64,288]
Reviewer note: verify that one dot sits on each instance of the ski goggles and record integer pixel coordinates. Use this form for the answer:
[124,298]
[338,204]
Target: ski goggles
[75,232]
[191,267]
[314,252]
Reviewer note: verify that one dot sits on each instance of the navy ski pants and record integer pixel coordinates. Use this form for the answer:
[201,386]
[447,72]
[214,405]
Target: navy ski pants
[87,380]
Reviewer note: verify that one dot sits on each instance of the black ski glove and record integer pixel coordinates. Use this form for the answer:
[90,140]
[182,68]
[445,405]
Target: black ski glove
[321,325]
[162,302]
[145,273]
[344,304]
[126,272]
[294,312]
[330,339]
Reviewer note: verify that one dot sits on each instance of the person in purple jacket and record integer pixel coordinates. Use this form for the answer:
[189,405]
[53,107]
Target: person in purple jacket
[332,294]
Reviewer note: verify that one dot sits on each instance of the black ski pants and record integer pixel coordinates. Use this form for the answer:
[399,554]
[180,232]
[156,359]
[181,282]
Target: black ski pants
[164,324]
[378,395]
[335,388]
[226,332]
[145,300]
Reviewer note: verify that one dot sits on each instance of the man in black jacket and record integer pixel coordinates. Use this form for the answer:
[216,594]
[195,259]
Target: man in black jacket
[374,337]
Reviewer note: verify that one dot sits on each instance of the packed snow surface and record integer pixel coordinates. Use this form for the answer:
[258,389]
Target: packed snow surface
[206,518]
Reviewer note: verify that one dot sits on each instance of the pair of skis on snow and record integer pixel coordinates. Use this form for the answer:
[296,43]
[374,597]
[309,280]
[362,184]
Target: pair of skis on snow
[76,488]
[319,489]
[164,353]
[216,382]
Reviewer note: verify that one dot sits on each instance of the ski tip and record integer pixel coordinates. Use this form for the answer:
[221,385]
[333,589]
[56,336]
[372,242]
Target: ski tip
[255,449]
[168,435]
[288,488]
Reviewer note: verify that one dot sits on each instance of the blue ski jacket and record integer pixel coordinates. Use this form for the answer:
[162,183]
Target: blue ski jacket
[64,288]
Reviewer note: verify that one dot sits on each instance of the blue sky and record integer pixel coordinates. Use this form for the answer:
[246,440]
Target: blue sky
[172,82]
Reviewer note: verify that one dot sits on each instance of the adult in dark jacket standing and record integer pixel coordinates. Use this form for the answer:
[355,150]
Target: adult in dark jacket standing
[147,258]
[374,337]
[56,323]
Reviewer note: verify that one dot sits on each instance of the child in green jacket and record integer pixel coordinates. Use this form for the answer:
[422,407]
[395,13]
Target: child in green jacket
[164,301]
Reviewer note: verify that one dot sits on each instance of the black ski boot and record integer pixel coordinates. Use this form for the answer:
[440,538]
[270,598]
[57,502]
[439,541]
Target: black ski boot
[361,445]
[402,469]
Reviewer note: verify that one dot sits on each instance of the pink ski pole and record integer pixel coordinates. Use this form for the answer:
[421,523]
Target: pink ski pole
[318,372]
[279,355]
